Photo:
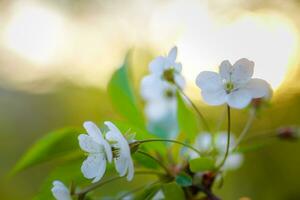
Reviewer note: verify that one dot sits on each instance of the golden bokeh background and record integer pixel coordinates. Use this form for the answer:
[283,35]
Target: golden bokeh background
[57,57]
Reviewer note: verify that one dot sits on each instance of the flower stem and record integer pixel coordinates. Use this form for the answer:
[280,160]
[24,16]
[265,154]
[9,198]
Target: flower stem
[172,141]
[200,115]
[228,139]
[155,159]
[81,194]
[138,189]
[246,129]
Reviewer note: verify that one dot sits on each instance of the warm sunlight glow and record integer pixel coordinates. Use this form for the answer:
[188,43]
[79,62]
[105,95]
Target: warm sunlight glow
[269,39]
[34,32]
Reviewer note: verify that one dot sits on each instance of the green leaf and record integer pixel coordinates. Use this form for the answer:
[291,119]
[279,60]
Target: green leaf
[122,95]
[57,144]
[173,191]
[201,164]
[187,119]
[184,180]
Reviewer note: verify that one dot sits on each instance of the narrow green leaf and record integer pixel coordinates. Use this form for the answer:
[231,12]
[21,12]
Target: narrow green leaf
[173,191]
[187,119]
[184,180]
[122,95]
[201,164]
[51,146]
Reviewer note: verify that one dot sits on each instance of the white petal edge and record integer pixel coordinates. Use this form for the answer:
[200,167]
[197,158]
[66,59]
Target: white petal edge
[242,70]
[60,191]
[225,69]
[156,66]
[204,141]
[259,88]
[179,80]
[87,144]
[130,170]
[172,54]
[239,99]
[207,80]
[94,167]
[93,130]
[214,98]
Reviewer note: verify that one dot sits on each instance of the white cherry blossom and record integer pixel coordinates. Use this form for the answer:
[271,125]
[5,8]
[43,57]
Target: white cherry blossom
[98,149]
[234,160]
[158,88]
[233,84]
[121,150]
[205,142]
[167,68]
[60,191]
[160,97]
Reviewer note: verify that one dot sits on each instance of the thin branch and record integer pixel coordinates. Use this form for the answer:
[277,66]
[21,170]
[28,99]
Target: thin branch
[195,108]
[156,160]
[172,141]
[228,138]
[81,194]
[246,129]
[138,189]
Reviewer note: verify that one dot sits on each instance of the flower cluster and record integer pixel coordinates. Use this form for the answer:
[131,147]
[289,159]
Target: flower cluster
[101,150]
[233,85]
[216,145]
[159,87]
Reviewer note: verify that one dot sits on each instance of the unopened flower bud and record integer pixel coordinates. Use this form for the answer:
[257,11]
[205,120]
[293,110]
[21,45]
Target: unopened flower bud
[288,133]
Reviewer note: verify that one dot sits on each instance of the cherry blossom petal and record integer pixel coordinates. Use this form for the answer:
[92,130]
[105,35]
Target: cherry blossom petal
[234,161]
[207,80]
[114,133]
[60,191]
[121,165]
[130,170]
[93,131]
[87,144]
[242,71]
[152,87]
[177,67]
[220,142]
[225,70]
[204,141]
[259,88]
[108,151]
[172,54]
[179,80]
[94,167]
[157,110]
[239,99]
[156,66]
[216,97]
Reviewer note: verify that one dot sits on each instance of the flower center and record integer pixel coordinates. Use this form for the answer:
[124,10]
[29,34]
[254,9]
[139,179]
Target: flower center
[116,152]
[169,94]
[168,75]
[229,87]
